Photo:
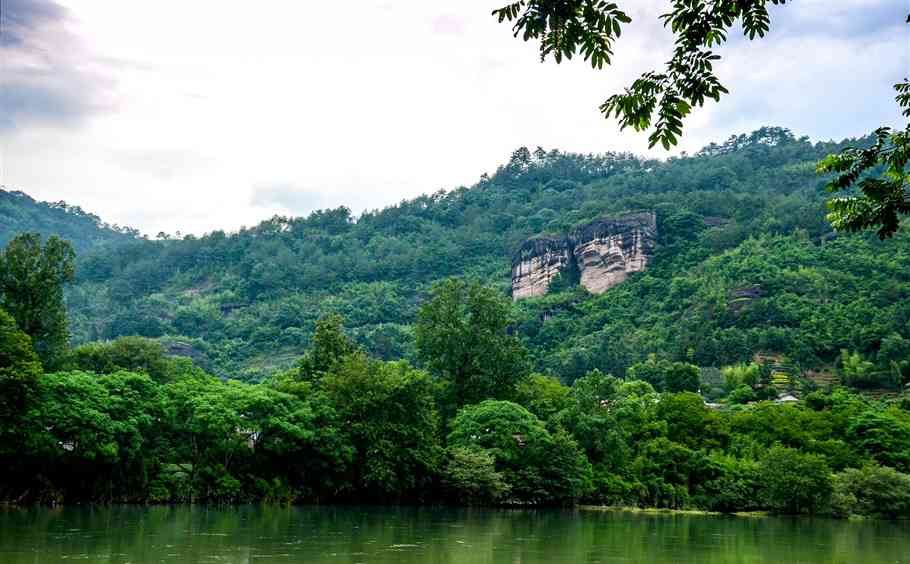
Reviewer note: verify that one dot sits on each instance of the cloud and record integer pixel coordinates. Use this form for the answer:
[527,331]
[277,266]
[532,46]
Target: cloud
[49,76]
[844,19]
[109,103]
[287,196]
[162,164]
[826,69]
[21,19]
[449,25]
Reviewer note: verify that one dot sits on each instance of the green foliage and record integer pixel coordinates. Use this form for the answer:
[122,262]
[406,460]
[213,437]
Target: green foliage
[883,200]
[662,470]
[542,395]
[652,371]
[391,423]
[741,375]
[894,358]
[93,434]
[666,375]
[471,474]
[565,28]
[744,265]
[20,213]
[794,482]
[681,377]
[731,485]
[743,214]
[742,394]
[20,370]
[857,372]
[330,346]
[463,336]
[608,418]
[883,435]
[690,422]
[876,491]
[536,465]
[32,276]
[132,354]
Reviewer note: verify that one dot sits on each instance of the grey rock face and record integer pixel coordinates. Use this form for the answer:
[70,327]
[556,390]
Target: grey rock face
[606,251]
[535,264]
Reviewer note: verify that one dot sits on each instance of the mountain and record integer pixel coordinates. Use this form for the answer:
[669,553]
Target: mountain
[19,212]
[740,262]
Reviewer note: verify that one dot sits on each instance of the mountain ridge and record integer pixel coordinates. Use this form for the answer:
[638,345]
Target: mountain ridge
[248,301]
[20,212]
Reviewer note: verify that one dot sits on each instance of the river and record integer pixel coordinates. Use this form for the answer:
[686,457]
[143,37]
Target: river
[347,535]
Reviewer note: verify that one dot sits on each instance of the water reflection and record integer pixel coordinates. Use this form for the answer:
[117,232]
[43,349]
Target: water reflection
[265,534]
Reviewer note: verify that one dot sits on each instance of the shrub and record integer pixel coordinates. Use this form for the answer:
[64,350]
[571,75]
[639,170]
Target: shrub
[876,491]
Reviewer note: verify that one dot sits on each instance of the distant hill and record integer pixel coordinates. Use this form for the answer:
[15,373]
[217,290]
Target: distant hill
[743,262]
[19,212]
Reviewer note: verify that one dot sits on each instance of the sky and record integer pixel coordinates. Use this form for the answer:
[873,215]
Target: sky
[195,116]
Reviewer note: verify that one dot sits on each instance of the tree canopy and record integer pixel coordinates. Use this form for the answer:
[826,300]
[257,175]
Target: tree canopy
[463,334]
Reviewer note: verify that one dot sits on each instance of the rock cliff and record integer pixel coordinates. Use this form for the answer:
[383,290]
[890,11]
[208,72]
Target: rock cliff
[605,251]
[536,263]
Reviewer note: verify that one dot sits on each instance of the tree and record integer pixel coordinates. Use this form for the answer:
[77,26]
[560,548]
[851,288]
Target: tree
[872,490]
[884,436]
[91,436]
[536,465]
[20,370]
[543,395]
[652,370]
[857,371]
[329,347]
[795,482]
[665,375]
[471,474]
[32,277]
[599,420]
[664,470]
[741,375]
[463,335]
[682,377]
[590,27]
[690,422]
[732,484]
[134,354]
[741,394]
[390,419]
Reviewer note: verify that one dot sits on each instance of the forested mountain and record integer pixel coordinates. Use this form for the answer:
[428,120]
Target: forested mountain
[745,262]
[752,359]
[19,212]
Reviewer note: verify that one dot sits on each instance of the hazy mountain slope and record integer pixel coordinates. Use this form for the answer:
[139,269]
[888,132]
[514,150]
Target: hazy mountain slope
[19,212]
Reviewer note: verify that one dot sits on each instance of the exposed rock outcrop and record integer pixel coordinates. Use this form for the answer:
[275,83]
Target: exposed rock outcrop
[535,265]
[605,251]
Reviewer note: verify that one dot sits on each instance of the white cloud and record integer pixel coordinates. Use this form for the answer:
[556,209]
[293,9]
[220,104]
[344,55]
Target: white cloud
[227,113]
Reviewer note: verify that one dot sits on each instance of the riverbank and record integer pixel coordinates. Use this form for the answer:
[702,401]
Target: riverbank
[666,511]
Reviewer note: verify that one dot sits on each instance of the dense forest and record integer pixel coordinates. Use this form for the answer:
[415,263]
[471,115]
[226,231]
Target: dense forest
[748,213]
[759,363]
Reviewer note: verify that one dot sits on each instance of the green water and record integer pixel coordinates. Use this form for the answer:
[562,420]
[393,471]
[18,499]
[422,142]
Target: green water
[141,535]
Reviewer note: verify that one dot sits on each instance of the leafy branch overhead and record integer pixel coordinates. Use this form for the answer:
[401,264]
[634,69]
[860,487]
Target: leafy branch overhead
[662,99]
[881,200]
